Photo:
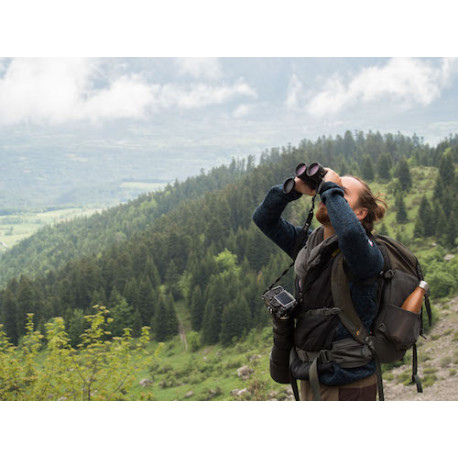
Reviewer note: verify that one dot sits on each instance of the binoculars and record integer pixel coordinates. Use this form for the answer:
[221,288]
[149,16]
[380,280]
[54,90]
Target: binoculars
[312,175]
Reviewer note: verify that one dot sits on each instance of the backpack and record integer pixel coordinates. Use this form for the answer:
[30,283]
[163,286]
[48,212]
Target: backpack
[394,331]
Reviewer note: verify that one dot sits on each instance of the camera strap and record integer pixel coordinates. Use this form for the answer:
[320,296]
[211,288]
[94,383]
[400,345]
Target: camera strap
[299,243]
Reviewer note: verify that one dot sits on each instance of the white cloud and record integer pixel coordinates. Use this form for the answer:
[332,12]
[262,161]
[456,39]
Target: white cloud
[200,67]
[126,97]
[241,111]
[200,95]
[294,93]
[62,90]
[405,81]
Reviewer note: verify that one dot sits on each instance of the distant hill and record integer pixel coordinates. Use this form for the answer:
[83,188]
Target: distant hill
[74,175]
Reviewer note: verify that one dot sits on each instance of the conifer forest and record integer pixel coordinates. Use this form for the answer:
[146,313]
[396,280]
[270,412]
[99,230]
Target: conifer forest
[188,261]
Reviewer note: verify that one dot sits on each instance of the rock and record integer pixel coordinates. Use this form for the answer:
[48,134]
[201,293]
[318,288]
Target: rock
[145,382]
[244,372]
[214,392]
[237,393]
[189,394]
[448,257]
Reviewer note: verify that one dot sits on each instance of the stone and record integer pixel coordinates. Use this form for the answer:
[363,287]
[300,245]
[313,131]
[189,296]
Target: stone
[244,372]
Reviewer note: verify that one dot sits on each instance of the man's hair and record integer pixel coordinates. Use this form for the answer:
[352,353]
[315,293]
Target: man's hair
[376,207]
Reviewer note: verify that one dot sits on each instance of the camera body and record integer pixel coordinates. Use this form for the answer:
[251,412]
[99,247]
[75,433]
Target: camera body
[279,302]
[312,175]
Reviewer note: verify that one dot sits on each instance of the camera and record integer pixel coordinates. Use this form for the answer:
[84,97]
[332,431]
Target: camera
[312,175]
[279,302]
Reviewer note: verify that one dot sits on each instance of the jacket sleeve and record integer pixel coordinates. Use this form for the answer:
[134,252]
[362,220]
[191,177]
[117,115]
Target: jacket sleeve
[362,255]
[283,331]
[268,218]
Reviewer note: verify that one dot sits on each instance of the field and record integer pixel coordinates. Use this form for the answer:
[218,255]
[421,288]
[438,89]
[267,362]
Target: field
[14,228]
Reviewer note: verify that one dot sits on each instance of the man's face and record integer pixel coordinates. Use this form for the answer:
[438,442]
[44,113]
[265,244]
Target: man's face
[352,189]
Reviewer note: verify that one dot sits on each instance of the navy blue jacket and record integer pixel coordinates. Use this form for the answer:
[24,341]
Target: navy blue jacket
[363,257]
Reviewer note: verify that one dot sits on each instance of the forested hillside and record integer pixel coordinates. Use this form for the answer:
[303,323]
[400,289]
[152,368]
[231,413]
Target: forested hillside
[53,246]
[192,256]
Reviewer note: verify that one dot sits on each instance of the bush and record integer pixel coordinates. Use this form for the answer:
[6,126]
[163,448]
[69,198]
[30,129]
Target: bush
[100,369]
[442,283]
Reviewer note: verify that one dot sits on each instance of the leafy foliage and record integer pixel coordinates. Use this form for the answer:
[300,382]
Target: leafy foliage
[46,367]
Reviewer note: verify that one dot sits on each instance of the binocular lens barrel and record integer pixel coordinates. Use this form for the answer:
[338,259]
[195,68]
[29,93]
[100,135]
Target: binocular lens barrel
[311,175]
[313,169]
[301,169]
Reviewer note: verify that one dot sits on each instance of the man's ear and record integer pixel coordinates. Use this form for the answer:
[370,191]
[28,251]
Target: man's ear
[361,213]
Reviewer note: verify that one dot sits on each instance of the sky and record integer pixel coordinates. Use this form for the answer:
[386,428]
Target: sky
[219,107]
[228,106]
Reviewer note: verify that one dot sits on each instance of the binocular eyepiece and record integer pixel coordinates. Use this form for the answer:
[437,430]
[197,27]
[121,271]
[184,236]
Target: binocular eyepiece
[312,175]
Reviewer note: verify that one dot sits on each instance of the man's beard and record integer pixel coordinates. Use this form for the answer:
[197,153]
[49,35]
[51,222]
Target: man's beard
[322,215]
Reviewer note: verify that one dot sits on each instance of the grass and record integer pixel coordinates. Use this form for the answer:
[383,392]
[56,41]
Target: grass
[211,372]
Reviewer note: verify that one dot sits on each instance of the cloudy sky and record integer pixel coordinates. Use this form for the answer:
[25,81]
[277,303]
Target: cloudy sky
[235,106]
[228,106]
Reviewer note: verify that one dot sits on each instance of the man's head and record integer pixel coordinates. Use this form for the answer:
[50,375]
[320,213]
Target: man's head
[367,207]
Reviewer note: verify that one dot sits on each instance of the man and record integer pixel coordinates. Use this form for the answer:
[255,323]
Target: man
[347,213]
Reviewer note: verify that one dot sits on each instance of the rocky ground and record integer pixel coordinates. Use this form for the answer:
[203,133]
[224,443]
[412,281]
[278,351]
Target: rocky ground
[437,367]
[438,362]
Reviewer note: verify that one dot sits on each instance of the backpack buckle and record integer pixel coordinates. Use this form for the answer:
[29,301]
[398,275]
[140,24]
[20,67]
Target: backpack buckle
[387,274]
[324,356]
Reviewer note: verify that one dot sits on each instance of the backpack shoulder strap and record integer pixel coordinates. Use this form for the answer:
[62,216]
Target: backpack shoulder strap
[348,316]
[342,299]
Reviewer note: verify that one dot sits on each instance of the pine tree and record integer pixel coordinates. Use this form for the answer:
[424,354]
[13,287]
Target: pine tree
[217,296]
[383,229]
[165,322]
[401,214]
[384,165]
[441,223]
[171,280]
[419,229]
[349,144]
[121,312]
[25,303]
[450,233]
[438,188]
[447,169]
[171,319]
[235,322]
[197,308]
[146,301]
[426,215]
[367,170]
[403,174]
[137,324]
[9,315]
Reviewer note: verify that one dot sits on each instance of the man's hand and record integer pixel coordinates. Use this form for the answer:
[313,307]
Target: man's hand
[303,188]
[332,176]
